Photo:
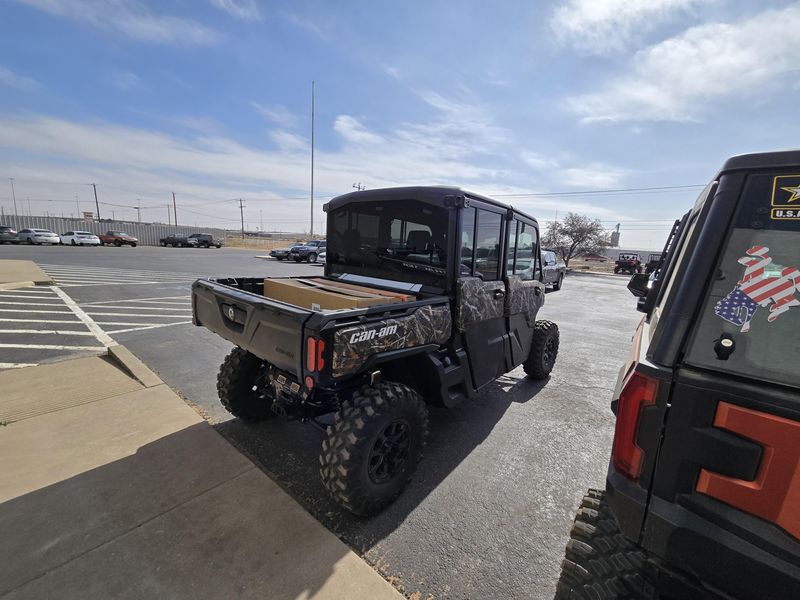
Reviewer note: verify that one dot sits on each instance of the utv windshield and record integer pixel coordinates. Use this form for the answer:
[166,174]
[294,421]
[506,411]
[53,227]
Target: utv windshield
[754,301]
[402,240]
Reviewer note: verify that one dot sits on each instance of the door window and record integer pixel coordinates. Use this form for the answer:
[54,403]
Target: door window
[467,243]
[488,247]
[524,244]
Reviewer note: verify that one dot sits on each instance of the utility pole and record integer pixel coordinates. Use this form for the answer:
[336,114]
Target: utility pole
[313,84]
[169,216]
[241,210]
[30,212]
[96,203]
[175,209]
[13,195]
[78,204]
[261,214]
[138,210]
[359,187]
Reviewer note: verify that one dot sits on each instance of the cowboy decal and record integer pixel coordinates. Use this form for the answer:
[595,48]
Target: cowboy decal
[757,289]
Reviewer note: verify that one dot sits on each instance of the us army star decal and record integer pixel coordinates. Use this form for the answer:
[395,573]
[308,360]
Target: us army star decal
[794,191]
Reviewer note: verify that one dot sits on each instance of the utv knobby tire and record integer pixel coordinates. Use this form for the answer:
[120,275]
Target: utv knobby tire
[601,563]
[358,429]
[236,385]
[544,350]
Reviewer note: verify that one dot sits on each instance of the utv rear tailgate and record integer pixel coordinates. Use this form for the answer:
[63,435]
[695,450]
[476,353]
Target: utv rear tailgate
[269,329]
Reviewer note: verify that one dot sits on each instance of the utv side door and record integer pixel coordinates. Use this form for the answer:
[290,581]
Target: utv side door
[525,290]
[481,291]
[725,498]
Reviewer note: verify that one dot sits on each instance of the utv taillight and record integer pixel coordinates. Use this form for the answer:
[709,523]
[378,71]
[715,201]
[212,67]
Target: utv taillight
[637,392]
[314,350]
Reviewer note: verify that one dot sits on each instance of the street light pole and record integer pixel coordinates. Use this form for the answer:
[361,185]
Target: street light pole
[313,84]
[13,195]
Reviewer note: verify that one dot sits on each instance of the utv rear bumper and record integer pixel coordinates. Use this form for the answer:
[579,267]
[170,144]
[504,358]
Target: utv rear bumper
[691,556]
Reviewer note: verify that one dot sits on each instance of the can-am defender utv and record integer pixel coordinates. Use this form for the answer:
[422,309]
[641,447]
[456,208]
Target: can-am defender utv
[429,294]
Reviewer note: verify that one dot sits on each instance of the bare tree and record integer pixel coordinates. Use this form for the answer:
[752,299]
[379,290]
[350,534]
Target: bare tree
[574,236]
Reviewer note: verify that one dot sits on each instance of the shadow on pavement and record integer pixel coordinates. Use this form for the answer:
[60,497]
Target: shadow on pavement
[289,453]
[183,517]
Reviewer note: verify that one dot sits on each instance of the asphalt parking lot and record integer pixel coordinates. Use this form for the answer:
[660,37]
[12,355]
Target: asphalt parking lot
[488,511]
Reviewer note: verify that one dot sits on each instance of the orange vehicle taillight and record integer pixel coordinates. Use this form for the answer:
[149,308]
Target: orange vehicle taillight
[314,350]
[637,392]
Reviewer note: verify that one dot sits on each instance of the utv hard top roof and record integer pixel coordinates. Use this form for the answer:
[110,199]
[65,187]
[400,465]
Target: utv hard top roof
[432,194]
[761,160]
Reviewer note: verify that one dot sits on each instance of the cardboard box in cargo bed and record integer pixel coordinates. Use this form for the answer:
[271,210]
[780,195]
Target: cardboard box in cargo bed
[316,297]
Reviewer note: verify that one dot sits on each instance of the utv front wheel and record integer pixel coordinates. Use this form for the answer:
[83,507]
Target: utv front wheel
[600,561]
[544,350]
[243,386]
[373,446]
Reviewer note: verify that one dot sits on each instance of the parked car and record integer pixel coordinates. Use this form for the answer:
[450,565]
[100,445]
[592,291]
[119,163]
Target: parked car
[38,236]
[702,491]
[553,270]
[413,327]
[280,253]
[307,251]
[206,240]
[179,241]
[321,257]
[8,235]
[80,238]
[118,238]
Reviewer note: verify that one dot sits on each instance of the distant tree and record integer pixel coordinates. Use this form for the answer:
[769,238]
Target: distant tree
[574,236]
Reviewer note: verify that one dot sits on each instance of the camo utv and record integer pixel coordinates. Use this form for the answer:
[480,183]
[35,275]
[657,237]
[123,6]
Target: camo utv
[702,496]
[466,272]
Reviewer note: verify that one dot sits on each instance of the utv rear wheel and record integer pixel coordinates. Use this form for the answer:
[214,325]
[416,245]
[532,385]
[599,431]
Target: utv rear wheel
[601,563]
[243,386]
[544,350]
[373,446]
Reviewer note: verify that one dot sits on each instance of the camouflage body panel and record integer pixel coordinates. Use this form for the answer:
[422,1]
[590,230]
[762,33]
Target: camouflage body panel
[522,297]
[352,346]
[475,301]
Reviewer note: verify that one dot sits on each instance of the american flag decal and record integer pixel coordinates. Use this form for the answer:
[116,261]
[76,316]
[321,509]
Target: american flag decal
[755,289]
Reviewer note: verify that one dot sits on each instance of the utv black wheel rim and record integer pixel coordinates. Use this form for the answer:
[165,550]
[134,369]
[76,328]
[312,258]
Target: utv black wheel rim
[549,352]
[389,452]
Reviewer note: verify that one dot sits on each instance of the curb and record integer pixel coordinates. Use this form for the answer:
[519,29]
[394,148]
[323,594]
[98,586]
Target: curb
[17,284]
[137,369]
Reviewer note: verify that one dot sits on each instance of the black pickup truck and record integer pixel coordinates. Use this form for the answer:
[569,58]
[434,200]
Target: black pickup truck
[464,312]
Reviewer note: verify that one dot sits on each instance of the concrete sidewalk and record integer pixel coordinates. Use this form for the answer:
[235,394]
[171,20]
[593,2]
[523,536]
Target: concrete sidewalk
[112,487]
[21,273]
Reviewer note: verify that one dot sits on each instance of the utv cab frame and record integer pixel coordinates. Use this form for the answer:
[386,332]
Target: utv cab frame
[459,280]
[702,496]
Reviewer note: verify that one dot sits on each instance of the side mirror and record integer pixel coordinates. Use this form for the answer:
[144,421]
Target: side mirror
[638,284]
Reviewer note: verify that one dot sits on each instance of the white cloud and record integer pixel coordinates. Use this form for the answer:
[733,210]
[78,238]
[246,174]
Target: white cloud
[19,82]
[352,130]
[126,81]
[538,161]
[246,10]
[600,26]
[591,176]
[289,142]
[678,78]
[130,18]
[276,113]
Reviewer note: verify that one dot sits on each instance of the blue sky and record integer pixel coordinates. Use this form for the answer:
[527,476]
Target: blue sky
[211,99]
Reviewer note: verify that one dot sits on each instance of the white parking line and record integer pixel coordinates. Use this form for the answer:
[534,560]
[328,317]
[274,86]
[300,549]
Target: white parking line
[150,327]
[39,321]
[162,308]
[108,314]
[32,303]
[18,297]
[52,347]
[16,365]
[101,335]
[186,298]
[35,312]
[118,324]
[46,331]
[34,290]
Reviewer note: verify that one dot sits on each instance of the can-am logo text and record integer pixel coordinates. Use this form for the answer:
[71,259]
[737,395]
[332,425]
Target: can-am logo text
[362,336]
